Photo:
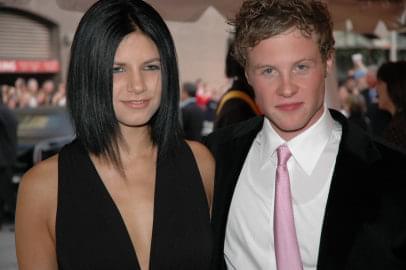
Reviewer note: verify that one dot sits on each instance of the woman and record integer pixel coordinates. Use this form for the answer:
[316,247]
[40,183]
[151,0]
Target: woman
[128,192]
[391,89]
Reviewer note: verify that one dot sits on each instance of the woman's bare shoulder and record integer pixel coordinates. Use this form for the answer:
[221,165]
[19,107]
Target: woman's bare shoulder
[206,165]
[40,183]
[203,156]
[42,175]
[35,216]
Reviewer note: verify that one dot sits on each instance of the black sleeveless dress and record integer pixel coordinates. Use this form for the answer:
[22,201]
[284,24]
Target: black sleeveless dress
[91,234]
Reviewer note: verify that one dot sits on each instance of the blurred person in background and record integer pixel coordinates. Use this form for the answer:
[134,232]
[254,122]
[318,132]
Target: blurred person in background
[59,98]
[359,69]
[13,101]
[4,92]
[192,114]
[8,156]
[353,107]
[378,118]
[41,98]
[48,88]
[392,98]
[238,102]
[29,97]
[210,111]
[129,192]
[44,94]
[21,87]
[203,94]
[368,91]
[351,84]
[357,112]
[343,94]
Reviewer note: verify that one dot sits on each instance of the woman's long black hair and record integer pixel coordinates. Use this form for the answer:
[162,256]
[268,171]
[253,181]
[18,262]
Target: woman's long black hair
[90,82]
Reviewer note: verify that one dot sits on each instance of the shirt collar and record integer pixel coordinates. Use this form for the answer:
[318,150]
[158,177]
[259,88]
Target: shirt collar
[306,148]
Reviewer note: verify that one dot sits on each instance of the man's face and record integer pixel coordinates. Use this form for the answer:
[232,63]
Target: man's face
[287,73]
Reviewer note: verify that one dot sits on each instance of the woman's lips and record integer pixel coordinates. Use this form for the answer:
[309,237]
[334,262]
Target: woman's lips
[137,104]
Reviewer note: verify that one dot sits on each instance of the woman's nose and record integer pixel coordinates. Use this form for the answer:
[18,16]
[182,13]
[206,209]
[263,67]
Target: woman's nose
[136,84]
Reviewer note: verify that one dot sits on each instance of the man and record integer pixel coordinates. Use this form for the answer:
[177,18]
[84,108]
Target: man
[345,207]
[192,114]
[359,70]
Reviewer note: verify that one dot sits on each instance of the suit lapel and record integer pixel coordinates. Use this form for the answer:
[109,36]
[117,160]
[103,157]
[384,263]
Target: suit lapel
[348,200]
[235,152]
[230,153]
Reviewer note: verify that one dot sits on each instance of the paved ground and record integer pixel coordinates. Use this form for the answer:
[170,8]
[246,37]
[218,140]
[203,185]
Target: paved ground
[8,260]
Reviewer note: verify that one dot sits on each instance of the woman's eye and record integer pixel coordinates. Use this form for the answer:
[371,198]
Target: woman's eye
[118,69]
[153,67]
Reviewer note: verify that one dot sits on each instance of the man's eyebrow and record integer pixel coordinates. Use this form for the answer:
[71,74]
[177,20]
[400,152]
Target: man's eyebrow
[259,66]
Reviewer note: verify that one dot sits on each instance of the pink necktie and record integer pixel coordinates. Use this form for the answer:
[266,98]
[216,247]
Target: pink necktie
[286,246]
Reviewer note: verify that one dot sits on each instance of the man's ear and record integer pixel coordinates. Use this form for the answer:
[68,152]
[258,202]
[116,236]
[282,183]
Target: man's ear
[329,64]
[246,76]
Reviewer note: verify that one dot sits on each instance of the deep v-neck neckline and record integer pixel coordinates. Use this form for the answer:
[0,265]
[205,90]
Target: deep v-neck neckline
[106,194]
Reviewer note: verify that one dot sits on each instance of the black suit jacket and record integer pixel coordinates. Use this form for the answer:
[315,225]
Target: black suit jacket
[364,224]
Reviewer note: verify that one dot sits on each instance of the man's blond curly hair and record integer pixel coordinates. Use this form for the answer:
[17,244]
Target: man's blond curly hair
[260,19]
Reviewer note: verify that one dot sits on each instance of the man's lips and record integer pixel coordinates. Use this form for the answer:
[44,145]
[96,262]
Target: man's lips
[289,106]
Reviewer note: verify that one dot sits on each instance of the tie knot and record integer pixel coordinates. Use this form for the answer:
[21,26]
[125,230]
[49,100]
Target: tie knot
[283,154]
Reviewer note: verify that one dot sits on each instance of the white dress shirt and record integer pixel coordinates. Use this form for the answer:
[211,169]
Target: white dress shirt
[249,241]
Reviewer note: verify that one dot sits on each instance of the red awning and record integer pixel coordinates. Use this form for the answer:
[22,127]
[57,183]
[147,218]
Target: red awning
[29,66]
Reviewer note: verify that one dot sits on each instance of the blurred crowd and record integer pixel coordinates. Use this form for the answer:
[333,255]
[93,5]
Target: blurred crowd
[374,97]
[30,94]
[205,109]
[198,105]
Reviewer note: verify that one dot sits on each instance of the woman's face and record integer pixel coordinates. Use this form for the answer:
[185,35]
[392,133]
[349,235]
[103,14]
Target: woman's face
[136,80]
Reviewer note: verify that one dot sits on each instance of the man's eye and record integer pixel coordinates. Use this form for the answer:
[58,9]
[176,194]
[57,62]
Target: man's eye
[302,67]
[267,71]
[118,69]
